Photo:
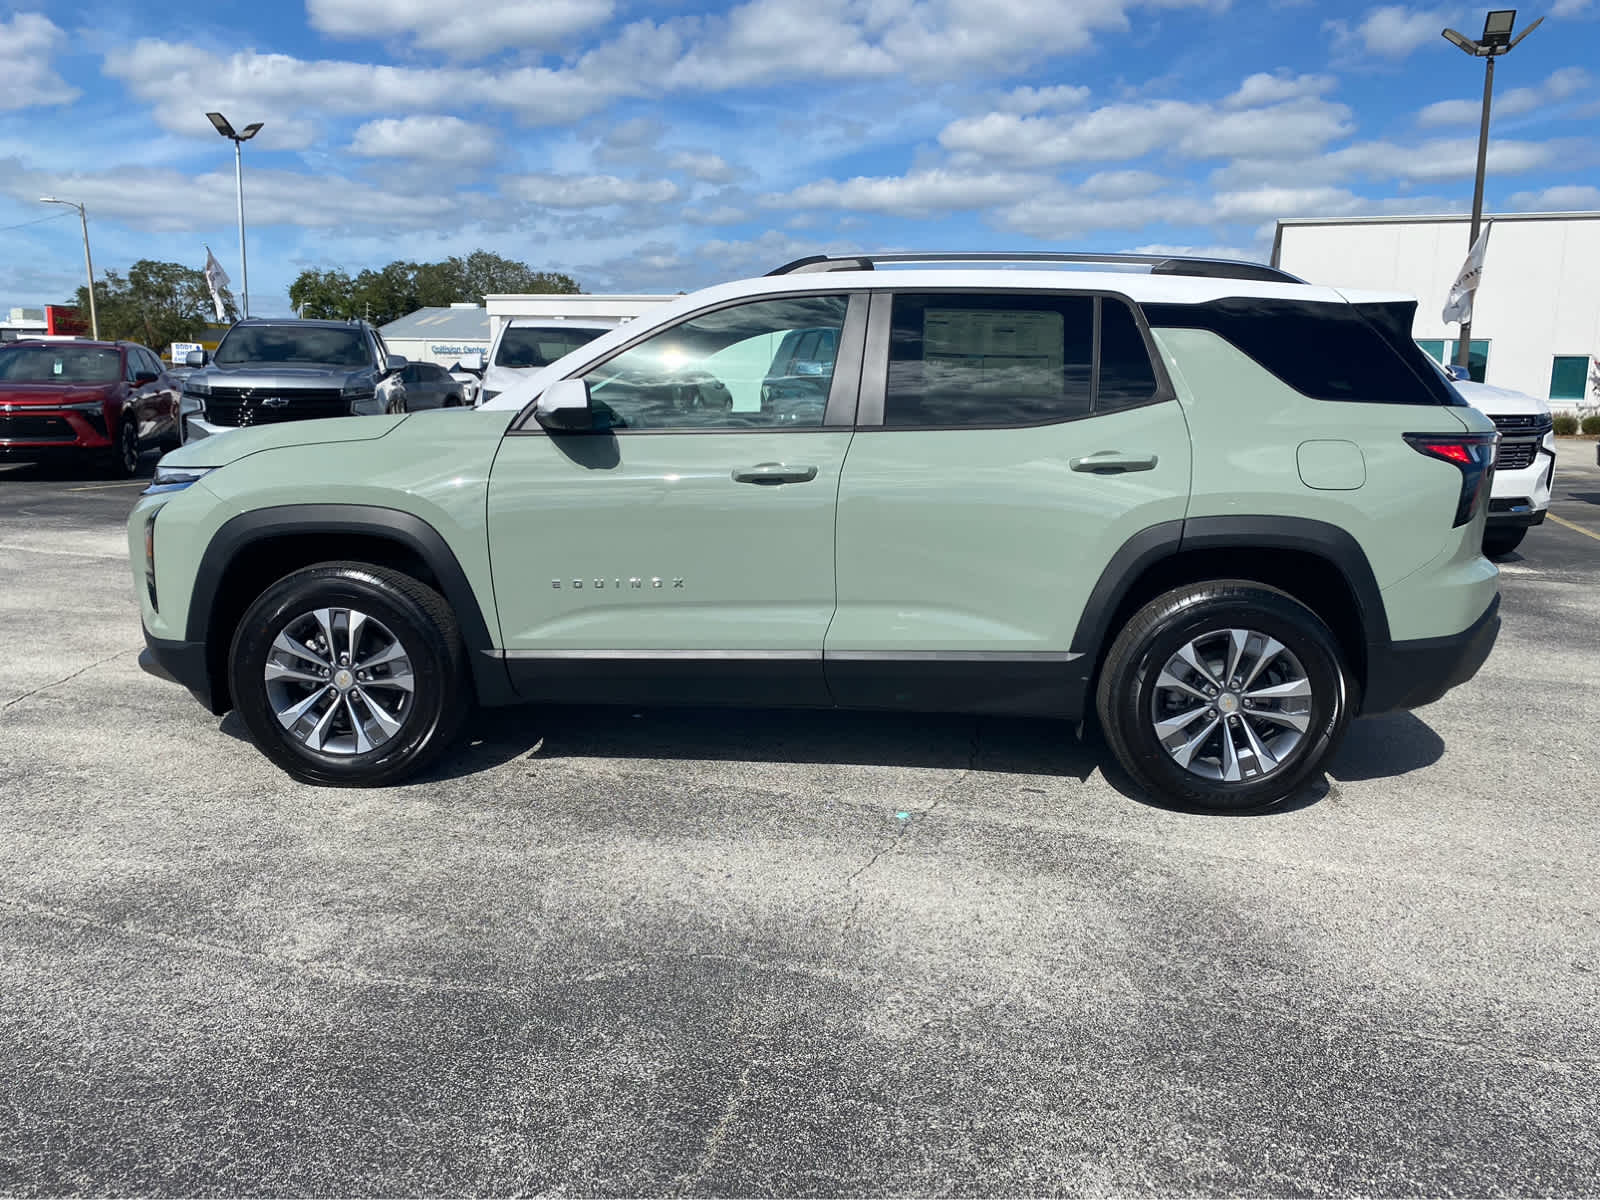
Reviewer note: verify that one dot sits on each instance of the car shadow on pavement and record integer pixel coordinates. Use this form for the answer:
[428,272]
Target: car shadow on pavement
[1380,747]
[84,470]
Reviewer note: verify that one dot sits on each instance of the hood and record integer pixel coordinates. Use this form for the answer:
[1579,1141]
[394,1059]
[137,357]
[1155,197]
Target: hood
[1500,401]
[53,395]
[273,375]
[224,448]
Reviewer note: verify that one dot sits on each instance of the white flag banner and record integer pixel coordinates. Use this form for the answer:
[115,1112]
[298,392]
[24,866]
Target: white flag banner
[216,280]
[1458,308]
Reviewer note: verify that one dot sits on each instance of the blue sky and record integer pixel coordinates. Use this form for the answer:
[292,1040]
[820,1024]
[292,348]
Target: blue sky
[659,145]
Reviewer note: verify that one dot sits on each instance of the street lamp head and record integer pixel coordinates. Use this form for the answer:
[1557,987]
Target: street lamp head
[221,124]
[1497,27]
[249,131]
[50,200]
[1462,41]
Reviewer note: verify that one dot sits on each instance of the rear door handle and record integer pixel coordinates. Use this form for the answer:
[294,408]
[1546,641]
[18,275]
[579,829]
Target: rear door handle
[1113,462]
[772,473]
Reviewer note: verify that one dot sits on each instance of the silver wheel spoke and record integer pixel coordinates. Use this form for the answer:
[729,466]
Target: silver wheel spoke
[403,681]
[1188,656]
[1169,680]
[1290,720]
[1231,771]
[280,671]
[1177,724]
[325,623]
[290,717]
[1238,639]
[1270,650]
[1186,752]
[1293,689]
[389,653]
[387,722]
[289,646]
[1265,761]
[363,742]
[353,632]
[318,737]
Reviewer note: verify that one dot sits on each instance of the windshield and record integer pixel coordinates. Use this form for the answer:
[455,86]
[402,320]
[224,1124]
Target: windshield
[59,364]
[252,344]
[530,346]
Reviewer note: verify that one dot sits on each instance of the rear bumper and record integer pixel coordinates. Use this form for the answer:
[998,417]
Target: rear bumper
[1410,674]
[180,662]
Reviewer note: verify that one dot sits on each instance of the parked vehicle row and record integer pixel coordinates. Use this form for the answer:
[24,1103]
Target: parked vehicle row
[1213,508]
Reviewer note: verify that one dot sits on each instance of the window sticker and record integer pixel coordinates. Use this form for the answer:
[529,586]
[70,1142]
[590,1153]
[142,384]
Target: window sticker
[1020,350]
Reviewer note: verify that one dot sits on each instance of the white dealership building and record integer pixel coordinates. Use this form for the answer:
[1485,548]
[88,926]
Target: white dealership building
[1536,318]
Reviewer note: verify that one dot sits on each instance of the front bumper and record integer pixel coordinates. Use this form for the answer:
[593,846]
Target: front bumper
[1410,674]
[181,662]
[37,431]
[1520,497]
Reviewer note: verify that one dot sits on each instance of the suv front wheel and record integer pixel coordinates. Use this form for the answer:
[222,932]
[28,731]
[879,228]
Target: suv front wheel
[349,674]
[1227,695]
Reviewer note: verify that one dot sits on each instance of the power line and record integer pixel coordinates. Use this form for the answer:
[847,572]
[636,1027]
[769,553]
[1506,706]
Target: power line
[36,221]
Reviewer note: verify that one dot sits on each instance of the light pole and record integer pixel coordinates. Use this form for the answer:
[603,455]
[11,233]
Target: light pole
[238,139]
[88,263]
[1496,41]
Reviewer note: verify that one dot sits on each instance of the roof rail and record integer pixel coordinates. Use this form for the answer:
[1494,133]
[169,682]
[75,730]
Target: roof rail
[1159,264]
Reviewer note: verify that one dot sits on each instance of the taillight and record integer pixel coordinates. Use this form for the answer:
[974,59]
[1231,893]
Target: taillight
[1471,453]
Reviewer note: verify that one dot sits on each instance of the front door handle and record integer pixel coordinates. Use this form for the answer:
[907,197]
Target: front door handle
[771,473]
[1113,462]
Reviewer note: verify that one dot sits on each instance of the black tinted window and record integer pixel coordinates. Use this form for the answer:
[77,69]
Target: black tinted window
[1325,351]
[294,344]
[530,346]
[989,360]
[1126,376]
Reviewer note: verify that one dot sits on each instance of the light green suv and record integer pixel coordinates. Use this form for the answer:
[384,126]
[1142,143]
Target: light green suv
[1221,509]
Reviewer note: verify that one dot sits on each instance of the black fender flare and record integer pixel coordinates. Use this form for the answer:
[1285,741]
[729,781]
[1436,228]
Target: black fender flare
[1170,538]
[405,529]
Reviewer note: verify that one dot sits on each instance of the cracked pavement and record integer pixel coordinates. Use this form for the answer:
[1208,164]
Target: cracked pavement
[609,951]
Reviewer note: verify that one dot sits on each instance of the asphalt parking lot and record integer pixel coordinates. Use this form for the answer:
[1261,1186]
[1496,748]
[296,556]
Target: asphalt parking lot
[689,952]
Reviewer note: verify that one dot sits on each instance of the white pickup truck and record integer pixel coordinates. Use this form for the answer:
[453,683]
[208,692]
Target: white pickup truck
[1524,465]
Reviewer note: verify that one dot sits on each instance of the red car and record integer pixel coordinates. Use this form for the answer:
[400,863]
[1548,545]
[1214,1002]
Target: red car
[108,401]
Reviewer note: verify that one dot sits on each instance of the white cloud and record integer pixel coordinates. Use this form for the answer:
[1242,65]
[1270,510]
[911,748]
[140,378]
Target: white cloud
[26,43]
[163,200]
[1119,185]
[1181,251]
[1569,8]
[481,29]
[1032,99]
[706,167]
[1561,85]
[919,192]
[1262,89]
[1562,198]
[434,139]
[1269,202]
[589,191]
[1392,31]
[1131,130]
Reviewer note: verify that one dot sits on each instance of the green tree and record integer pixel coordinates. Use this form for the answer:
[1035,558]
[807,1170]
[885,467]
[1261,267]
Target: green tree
[403,287]
[322,295]
[154,304]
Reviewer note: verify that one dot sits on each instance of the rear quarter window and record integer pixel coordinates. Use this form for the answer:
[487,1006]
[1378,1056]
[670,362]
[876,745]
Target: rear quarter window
[1328,351]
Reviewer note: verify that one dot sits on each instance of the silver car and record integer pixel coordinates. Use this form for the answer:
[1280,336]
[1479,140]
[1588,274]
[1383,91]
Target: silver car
[425,385]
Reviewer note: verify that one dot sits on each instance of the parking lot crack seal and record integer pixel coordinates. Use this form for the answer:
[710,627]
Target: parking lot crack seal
[45,687]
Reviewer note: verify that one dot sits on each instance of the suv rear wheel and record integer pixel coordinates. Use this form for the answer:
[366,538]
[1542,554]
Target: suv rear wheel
[349,674]
[1227,695]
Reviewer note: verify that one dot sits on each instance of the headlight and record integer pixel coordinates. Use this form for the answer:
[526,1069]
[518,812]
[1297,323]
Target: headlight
[196,387]
[174,479]
[85,406]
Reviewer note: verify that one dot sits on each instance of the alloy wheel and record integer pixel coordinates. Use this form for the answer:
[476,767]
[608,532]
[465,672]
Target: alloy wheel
[339,681]
[1231,705]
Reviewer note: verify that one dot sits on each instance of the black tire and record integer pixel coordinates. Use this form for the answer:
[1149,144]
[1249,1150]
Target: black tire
[397,406]
[420,621]
[452,401]
[1499,542]
[122,461]
[1127,697]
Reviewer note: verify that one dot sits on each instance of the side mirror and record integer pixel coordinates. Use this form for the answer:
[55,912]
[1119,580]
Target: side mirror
[478,361]
[140,378]
[196,358]
[395,362]
[564,407]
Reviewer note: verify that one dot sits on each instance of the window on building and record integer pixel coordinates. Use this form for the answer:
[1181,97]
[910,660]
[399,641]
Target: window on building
[1569,376]
[1433,348]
